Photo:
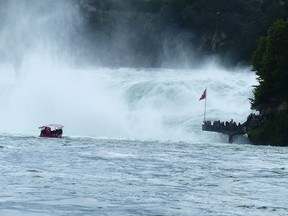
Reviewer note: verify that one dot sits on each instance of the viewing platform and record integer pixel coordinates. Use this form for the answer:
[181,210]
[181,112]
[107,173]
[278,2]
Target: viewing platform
[228,128]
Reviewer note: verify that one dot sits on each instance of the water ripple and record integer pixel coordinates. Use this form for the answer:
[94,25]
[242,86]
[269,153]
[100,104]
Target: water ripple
[85,176]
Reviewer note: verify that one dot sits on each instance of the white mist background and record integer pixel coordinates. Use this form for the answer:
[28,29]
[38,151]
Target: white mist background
[124,102]
[45,86]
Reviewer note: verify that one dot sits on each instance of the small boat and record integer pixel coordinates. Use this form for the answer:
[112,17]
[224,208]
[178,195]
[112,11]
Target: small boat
[51,130]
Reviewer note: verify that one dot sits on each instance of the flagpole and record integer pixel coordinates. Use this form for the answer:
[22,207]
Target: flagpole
[204,96]
[205,105]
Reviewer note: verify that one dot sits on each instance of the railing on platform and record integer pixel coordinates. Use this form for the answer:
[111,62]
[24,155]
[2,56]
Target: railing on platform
[229,128]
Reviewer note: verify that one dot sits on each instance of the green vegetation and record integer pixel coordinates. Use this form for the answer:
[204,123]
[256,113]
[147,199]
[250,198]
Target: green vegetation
[143,33]
[270,61]
[148,32]
[153,33]
[170,33]
[273,132]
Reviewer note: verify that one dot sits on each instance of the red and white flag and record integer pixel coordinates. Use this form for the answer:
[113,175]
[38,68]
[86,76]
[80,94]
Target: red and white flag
[203,96]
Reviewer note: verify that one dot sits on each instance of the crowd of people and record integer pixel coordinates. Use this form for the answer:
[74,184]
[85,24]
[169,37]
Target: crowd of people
[255,121]
[227,126]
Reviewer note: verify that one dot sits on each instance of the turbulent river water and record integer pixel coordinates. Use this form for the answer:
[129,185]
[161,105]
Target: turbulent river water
[89,176]
[133,145]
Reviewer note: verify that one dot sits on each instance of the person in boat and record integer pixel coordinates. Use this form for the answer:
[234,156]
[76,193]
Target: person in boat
[52,130]
[45,131]
[58,132]
[48,130]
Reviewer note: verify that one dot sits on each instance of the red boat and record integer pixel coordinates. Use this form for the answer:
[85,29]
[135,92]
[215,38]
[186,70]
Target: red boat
[51,130]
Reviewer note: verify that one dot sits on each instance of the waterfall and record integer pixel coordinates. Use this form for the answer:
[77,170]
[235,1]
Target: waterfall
[41,84]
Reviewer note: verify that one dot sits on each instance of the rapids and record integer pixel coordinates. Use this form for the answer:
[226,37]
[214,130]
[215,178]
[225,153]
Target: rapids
[88,176]
[133,143]
[129,103]
[46,79]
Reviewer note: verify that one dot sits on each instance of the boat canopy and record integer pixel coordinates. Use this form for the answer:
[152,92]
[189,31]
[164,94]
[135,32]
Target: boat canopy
[53,126]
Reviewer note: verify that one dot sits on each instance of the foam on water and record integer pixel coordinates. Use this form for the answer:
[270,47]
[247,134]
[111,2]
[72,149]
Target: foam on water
[159,162]
[84,176]
[42,82]
[124,102]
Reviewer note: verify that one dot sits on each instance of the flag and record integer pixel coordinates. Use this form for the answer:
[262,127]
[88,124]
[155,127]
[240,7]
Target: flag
[203,96]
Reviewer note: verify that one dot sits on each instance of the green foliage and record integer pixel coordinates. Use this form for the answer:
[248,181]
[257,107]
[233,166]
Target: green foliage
[274,132]
[228,28]
[270,61]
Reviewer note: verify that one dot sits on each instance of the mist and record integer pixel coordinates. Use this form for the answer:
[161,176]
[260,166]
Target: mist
[51,75]
[38,28]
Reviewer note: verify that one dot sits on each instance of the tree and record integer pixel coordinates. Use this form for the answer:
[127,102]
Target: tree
[270,61]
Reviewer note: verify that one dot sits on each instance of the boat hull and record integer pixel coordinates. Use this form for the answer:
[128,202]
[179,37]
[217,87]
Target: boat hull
[51,135]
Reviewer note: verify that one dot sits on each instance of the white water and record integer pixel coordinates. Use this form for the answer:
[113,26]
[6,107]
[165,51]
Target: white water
[41,84]
[122,103]
[172,168]
[84,176]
